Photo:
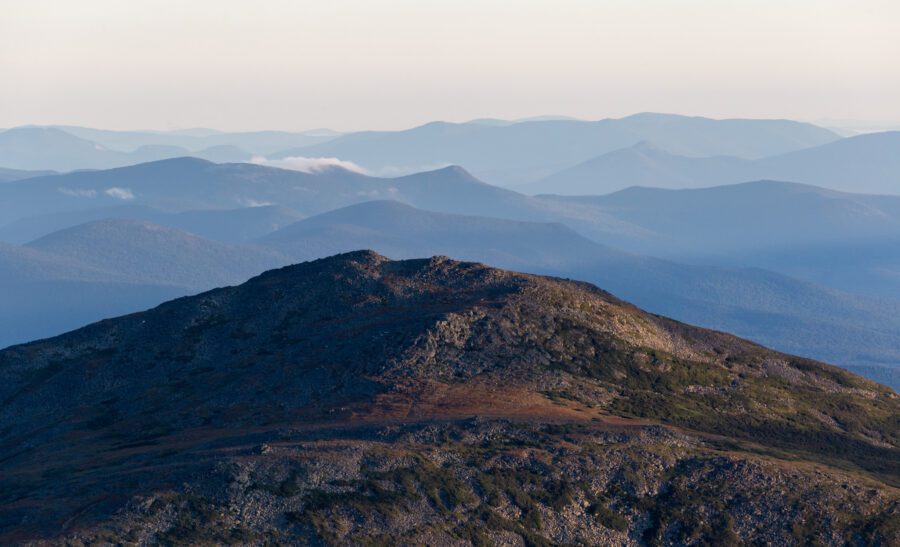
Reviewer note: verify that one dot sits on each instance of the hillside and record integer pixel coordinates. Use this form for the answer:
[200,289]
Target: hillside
[355,399]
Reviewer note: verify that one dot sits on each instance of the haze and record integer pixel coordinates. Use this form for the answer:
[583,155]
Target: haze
[351,64]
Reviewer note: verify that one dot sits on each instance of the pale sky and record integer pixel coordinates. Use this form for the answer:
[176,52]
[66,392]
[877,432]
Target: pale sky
[389,64]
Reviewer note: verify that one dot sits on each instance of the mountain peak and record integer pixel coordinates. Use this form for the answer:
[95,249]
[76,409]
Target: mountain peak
[656,117]
[647,146]
[181,161]
[450,173]
[362,256]
[223,399]
[456,170]
[37,130]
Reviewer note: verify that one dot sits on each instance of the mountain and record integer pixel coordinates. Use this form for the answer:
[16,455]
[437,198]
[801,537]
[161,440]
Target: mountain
[46,294]
[360,400]
[183,188]
[22,264]
[9,175]
[110,267]
[177,185]
[791,315]
[222,153]
[43,148]
[181,184]
[517,153]
[643,164]
[229,225]
[156,254]
[154,152]
[848,241]
[256,142]
[232,225]
[773,309]
[216,154]
[403,231]
[861,164]
[40,148]
[755,215]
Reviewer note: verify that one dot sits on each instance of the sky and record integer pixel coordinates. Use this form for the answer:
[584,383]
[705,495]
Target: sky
[391,64]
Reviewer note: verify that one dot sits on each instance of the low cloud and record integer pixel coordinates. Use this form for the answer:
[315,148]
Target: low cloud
[308,165]
[119,193]
[78,193]
[250,202]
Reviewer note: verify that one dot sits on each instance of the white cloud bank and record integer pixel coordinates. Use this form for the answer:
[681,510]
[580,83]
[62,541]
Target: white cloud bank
[250,202]
[308,165]
[115,192]
[119,193]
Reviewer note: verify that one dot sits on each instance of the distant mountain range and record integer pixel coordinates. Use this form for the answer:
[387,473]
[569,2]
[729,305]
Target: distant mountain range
[256,142]
[403,231]
[110,267]
[185,184]
[864,164]
[152,254]
[510,154]
[43,148]
[557,156]
[358,400]
[9,175]
[500,151]
[839,239]
[229,225]
[848,241]
[749,216]
[45,294]
[774,309]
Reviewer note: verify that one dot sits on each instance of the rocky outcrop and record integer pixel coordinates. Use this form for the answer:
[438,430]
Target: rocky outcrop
[356,399]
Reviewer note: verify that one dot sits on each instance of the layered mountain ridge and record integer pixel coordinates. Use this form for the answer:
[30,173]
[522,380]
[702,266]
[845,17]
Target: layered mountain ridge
[863,164]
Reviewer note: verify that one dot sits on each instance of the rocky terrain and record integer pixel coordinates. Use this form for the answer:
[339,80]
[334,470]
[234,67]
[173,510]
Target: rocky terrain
[359,400]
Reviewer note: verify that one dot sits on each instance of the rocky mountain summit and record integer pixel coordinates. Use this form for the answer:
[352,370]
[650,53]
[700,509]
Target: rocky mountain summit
[359,400]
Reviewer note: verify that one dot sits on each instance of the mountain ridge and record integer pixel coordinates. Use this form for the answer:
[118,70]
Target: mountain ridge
[859,164]
[513,154]
[245,387]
